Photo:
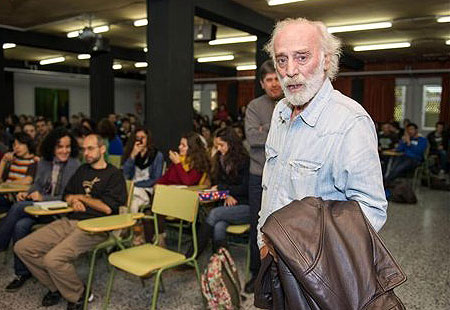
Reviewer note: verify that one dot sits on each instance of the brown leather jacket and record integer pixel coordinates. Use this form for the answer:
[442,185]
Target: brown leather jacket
[329,258]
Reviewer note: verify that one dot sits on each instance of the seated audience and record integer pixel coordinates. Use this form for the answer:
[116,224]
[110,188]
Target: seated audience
[143,164]
[96,189]
[107,130]
[230,172]
[30,129]
[413,148]
[18,166]
[42,129]
[59,162]
[125,130]
[439,141]
[190,166]
[386,139]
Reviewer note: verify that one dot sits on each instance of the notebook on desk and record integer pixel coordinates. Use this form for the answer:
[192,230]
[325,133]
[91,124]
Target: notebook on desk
[51,205]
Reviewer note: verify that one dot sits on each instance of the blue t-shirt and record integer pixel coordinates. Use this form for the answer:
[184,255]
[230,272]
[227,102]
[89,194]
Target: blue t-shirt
[415,150]
[115,146]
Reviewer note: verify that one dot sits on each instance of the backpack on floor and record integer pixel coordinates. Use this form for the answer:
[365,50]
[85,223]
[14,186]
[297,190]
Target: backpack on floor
[402,192]
[220,283]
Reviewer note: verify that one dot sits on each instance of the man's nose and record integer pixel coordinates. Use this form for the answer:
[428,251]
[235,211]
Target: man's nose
[291,68]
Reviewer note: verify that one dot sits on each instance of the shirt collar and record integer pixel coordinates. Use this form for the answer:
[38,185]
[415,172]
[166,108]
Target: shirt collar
[312,112]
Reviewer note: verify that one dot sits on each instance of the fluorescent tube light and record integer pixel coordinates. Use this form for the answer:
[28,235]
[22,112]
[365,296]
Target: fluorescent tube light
[278,2]
[443,19]
[233,40]
[73,34]
[141,65]
[8,45]
[215,58]
[359,27]
[52,60]
[84,56]
[140,22]
[101,29]
[117,66]
[246,67]
[382,46]
[447,42]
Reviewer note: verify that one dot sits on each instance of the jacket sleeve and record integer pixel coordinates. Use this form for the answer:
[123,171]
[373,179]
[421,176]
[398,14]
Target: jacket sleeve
[39,181]
[154,173]
[128,168]
[191,177]
[255,137]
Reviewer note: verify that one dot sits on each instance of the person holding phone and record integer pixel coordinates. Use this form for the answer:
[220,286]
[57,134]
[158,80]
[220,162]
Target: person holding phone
[143,164]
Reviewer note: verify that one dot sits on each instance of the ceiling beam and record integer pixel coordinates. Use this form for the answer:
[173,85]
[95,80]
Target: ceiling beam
[52,42]
[234,15]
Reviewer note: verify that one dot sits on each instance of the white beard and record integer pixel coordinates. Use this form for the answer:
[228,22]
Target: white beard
[311,86]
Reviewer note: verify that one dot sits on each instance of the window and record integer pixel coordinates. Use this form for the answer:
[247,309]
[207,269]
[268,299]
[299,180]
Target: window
[431,100]
[196,101]
[400,99]
[213,100]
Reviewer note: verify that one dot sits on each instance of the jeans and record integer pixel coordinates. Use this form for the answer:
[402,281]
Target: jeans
[16,225]
[401,165]
[254,199]
[221,217]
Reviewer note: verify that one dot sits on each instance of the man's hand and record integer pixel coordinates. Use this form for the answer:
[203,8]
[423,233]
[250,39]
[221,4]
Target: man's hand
[230,201]
[78,206]
[70,198]
[21,196]
[406,138]
[35,196]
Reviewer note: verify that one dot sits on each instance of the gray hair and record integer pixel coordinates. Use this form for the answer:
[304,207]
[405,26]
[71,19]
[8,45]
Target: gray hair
[331,45]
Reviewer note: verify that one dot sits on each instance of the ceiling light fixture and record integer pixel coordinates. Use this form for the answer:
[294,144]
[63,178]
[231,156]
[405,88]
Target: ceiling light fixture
[52,60]
[278,2]
[140,22]
[145,49]
[101,29]
[84,56]
[117,66]
[215,58]
[246,67]
[443,19]
[73,34]
[359,27]
[447,42]
[8,45]
[381,46]
[141,65]
[232,40]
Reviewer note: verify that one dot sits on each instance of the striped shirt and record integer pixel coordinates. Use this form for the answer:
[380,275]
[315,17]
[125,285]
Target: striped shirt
[21,168]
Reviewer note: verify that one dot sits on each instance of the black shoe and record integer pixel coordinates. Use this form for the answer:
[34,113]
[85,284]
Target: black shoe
[17,283]
[80,303]
[51,299]
[250,286]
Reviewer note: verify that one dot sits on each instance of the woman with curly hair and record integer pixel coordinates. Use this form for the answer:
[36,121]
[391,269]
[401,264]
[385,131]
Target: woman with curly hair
[59,162]
[190,166]
[230,172]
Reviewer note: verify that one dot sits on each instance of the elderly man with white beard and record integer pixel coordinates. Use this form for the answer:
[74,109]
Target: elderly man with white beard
[321,143]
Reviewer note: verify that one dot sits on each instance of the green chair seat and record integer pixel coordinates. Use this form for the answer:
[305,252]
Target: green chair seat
[143,260]
[238,229]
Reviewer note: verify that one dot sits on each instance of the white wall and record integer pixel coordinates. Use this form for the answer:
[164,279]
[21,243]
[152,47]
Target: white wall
[128,93]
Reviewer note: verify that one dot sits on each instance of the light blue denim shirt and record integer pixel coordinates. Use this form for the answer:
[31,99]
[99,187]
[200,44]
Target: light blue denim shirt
[329,150]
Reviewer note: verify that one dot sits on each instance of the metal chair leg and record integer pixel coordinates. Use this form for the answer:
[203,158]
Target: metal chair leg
[90,277]
[109,288]
[156,290]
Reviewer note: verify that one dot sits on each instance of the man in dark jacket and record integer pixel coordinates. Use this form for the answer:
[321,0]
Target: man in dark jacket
[439,141]
[96,189]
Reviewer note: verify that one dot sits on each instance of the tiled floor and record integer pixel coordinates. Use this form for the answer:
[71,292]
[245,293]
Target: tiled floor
[417,235]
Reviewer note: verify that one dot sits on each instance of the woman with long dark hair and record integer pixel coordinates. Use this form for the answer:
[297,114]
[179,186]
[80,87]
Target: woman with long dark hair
[59,162]
[143,164]
[190,166]
[230,172]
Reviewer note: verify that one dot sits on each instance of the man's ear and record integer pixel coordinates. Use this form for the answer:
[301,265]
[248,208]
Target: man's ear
[262,84]
[327,62]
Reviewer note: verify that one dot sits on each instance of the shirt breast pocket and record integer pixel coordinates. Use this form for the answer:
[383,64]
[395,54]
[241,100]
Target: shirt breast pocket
[304,176]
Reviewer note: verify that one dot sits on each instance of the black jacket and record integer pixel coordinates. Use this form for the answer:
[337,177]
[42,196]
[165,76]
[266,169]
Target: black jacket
[329,258]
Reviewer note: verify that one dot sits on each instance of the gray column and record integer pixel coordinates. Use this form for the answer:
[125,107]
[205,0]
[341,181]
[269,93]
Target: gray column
[170,70]
[101,85]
